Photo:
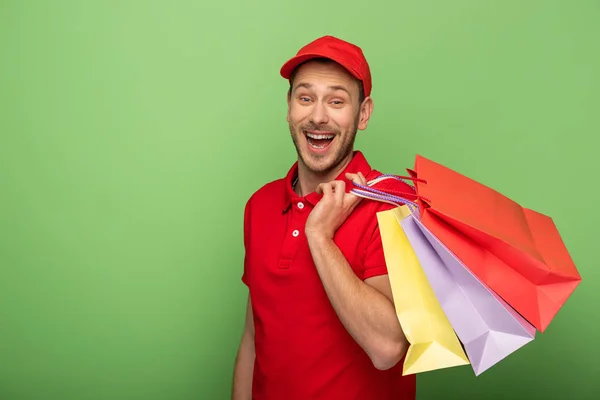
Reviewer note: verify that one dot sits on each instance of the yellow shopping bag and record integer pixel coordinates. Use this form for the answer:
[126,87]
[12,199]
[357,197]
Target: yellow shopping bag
[433,342]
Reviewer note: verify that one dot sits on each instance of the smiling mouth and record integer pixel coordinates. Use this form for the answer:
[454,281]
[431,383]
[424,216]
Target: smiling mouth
[318,141]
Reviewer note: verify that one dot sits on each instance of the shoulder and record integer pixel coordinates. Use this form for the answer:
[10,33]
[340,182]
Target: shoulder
[269,195]
[270,190]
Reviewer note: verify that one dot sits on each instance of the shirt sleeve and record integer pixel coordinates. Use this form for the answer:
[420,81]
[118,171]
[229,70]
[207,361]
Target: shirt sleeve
[374,264]
[245,279]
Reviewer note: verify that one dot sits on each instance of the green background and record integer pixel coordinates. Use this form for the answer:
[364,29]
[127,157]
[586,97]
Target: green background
[133,132]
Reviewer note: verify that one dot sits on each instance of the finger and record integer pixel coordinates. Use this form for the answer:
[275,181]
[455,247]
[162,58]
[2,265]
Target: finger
[351,201]
[323,187]
[340,190]
[334,185]
[352,177]
[363,180]
[326,189]
[357,178]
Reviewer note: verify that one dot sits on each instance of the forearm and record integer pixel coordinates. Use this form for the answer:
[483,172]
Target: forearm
[368,315]
[243,370]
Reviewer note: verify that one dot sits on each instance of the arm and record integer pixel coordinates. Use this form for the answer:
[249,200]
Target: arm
[244,362]
[365,308]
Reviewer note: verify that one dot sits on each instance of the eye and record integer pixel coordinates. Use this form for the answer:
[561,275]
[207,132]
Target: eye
[304,99]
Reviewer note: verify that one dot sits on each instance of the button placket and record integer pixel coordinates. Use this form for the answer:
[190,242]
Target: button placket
[296,218]
[291,242]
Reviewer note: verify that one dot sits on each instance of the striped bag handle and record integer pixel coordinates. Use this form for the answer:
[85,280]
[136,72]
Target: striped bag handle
[368,192]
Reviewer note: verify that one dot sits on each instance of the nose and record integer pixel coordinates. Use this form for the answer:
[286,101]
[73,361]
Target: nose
[319,115]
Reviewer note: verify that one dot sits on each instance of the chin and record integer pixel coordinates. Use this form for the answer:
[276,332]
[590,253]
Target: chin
[319,163]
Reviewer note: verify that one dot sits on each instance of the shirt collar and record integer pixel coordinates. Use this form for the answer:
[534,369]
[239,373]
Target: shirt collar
[357,164]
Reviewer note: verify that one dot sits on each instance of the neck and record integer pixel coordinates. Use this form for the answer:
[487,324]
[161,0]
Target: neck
[308,180]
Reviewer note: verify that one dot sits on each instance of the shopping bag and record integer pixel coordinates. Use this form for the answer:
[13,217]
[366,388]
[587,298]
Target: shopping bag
[488,328]
[517,252]
[433,344]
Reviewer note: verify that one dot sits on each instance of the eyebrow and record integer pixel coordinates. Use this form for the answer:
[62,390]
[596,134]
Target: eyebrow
[333,87]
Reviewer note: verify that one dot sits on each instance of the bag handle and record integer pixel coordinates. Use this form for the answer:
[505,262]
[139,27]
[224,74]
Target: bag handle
[404,179]
[401,194]
[378,195]
[397,197]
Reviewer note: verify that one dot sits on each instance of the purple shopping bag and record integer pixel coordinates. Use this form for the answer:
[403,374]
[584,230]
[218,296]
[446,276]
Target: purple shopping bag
[487,326]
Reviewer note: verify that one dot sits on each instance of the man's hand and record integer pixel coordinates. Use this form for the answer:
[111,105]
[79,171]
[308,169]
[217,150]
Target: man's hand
[333,208]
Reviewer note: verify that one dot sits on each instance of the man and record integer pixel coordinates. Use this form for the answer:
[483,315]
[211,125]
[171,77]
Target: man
[320,322]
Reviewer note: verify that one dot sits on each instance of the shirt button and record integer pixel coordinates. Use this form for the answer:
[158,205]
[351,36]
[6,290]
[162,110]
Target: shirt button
[295,233]
[300,205]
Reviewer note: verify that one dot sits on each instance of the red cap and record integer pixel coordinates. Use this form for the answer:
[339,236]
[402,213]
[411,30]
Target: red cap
[344,53]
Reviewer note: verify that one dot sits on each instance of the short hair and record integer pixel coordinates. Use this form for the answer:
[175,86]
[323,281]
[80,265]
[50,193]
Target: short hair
[361,94]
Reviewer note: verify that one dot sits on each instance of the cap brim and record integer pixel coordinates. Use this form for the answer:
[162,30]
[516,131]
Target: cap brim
[288,68]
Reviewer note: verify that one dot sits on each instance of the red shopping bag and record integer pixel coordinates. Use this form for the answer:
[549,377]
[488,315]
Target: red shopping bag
[519,254]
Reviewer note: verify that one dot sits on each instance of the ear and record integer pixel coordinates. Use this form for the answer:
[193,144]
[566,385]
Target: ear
[288,97]
[366,109]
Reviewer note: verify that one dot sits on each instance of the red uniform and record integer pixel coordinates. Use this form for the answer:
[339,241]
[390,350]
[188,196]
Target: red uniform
[302,349]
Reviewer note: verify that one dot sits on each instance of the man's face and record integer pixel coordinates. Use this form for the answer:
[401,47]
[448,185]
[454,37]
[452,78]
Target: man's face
[324,113]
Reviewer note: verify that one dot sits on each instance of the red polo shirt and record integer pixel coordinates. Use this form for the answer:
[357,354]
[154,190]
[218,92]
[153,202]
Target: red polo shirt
[302,349]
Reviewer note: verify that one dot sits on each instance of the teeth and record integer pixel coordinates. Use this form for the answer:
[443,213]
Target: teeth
[310,135]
